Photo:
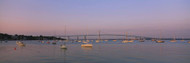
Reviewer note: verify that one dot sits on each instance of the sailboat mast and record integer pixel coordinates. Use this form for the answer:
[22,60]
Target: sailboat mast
[174,36]
[126,36]
[99,38]
[160,35]
[65,31]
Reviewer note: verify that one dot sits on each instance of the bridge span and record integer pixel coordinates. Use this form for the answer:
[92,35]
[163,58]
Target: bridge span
[99,36]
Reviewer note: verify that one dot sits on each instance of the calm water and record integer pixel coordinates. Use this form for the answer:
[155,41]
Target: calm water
[103,52]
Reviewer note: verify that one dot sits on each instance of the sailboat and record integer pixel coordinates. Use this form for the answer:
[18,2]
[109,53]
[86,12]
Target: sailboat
[20,43]
[63,46]
[99,38]
[153,39]
[182,39]
[174,40]
[126,40]
[65,32]
[78,39]
[86,42]
[188,42]
[114,40]
[106,40]
[159,40]
[141,39]
[86,45]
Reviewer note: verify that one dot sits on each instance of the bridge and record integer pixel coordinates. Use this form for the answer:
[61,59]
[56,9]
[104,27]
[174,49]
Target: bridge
[84,37]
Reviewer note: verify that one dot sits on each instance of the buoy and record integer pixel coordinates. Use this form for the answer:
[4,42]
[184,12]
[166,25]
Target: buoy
[15,48]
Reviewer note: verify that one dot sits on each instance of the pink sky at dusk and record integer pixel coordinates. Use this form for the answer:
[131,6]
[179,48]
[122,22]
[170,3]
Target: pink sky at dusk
[44,17]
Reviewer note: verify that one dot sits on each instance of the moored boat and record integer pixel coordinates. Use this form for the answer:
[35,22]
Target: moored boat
[126,39]
[159,41]
[86,45]
[20,43]
[114,40]
[174,40]
[63,47]
[188,42]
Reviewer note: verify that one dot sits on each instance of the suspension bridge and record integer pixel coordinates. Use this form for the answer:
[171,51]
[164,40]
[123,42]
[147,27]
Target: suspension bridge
[98,36]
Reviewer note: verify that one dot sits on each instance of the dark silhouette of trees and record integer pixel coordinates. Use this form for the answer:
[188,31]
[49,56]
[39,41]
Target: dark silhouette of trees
[4,36]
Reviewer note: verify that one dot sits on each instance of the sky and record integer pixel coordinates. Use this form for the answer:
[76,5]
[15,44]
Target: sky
[150,18]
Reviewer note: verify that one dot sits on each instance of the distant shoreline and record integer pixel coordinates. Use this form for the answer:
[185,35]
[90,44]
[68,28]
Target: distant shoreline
[4,36]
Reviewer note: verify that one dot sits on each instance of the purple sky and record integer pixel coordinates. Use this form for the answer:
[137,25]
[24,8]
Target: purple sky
[138,17]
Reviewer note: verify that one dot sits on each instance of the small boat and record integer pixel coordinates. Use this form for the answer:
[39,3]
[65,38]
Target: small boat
[106,40]
[86,45]
[78,41]
[127,41]
[182,40]
[63,47]
[85,42]
[97,41]
[141,40]
[88,40]
[159,41]
[173,40]
[153,39]
[66,40]
[20,43]
[114,40]
[188,42]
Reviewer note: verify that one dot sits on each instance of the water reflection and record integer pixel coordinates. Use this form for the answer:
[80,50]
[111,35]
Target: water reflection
[86,48]
[63,51]
[106,52]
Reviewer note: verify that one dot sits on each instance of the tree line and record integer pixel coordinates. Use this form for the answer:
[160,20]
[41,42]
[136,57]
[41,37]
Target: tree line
[4,36]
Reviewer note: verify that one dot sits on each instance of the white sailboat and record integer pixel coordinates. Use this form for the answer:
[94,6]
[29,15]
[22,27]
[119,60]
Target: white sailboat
[63,46]
[159,40]
[174,40]
[99,38]
[20,43]
[86,42]
[86,45]
[126,40]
